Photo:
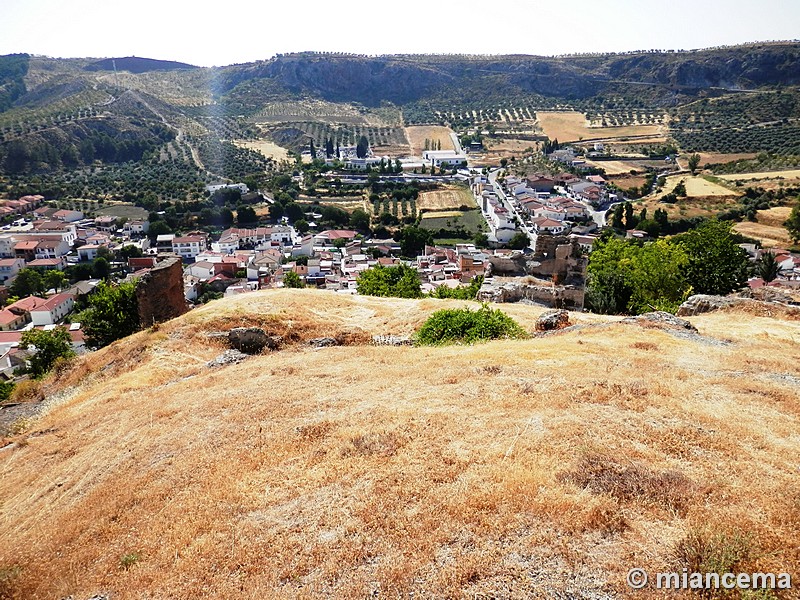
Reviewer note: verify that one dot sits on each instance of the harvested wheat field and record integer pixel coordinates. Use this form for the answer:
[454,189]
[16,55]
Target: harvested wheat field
[417,134]
[446,199]
[539,468]
[569,126]
[785,175]
[265,147]
[697,186]
[770,236]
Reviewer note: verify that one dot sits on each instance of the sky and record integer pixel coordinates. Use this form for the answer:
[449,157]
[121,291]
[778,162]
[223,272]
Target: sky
[235,31]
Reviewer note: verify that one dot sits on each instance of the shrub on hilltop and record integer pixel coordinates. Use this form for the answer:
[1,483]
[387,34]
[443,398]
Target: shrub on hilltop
[464,326]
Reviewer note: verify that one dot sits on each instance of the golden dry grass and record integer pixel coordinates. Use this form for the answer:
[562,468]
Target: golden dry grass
[265,147]
[445,199]
[771,236]
[538,468]
[573,126]
[697,186]
[615,167]
[786,175]
[417,134]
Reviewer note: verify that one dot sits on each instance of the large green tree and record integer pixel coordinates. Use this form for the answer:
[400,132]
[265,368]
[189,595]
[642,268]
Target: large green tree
[48,347]
[625,277]
[113,313]
[27,283]
[292,280]
[716,264]
[398,281]
[413,240]
[792,224]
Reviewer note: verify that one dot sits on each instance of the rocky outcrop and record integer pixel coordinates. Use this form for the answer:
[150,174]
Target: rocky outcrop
[159,292]
[229,357]
[323,342]
[661,320]
[552,320]
[559,296]
[391,340]
[703,303]
[252,340]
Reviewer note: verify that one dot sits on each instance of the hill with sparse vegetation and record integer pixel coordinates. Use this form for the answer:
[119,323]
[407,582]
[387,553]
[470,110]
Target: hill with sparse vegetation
[540,467]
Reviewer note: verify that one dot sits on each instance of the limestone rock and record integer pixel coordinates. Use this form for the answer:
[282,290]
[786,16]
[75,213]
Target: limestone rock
[552,319]
[323,342]
[251,340]
[229,357]
[703,303]
[661,320]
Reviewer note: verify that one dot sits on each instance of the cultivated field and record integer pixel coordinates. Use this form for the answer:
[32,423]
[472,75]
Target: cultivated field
[445,199]
[573,126]
[123,211]
[697,186]
[793,174]
[417,134]
[440,472]
[771,236]
[265,147]
[615,167]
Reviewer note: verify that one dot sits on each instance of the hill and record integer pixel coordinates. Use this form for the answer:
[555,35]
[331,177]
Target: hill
[545,467]
[134,64]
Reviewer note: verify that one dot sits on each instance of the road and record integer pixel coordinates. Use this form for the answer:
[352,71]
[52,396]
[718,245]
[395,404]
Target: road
[510,206]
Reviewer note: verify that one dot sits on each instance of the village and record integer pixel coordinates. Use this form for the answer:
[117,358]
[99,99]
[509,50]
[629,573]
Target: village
[554,213]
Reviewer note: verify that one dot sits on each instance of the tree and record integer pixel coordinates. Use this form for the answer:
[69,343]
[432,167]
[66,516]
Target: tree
[49,346]
[630,219]
[520,241]
[55,279]
[293,212]
[481,240]
[113,313]
[27,283]
[716,264]
[334,215]
[302,226]
[245,215]
[792,224]
[158,228]
[680,189]
[694,162]
[627,277]
[362,147]
[276,212]
[292,280]
[767,267]
[413,240]
[101,269]
[226,216]
[398,281]
[359,220]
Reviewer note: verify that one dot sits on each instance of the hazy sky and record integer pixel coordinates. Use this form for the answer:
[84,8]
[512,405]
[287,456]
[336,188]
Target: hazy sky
[231,31]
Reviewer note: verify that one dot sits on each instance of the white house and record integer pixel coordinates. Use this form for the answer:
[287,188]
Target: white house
[9,267]
[68,216]
[201,270]
[53,310]
[88,252]
[543,224]
[444,157]
[188,246]
[52,248]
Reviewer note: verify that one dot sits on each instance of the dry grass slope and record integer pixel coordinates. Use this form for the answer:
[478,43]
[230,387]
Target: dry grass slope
[538,468]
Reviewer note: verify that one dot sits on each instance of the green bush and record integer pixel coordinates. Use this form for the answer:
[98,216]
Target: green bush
[464,326]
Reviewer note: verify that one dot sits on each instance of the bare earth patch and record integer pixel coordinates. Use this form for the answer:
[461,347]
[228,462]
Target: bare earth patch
[445,199]
[265,147]
[417,134]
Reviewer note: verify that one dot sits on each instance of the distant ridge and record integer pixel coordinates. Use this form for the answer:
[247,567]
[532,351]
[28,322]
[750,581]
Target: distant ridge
[134,64]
